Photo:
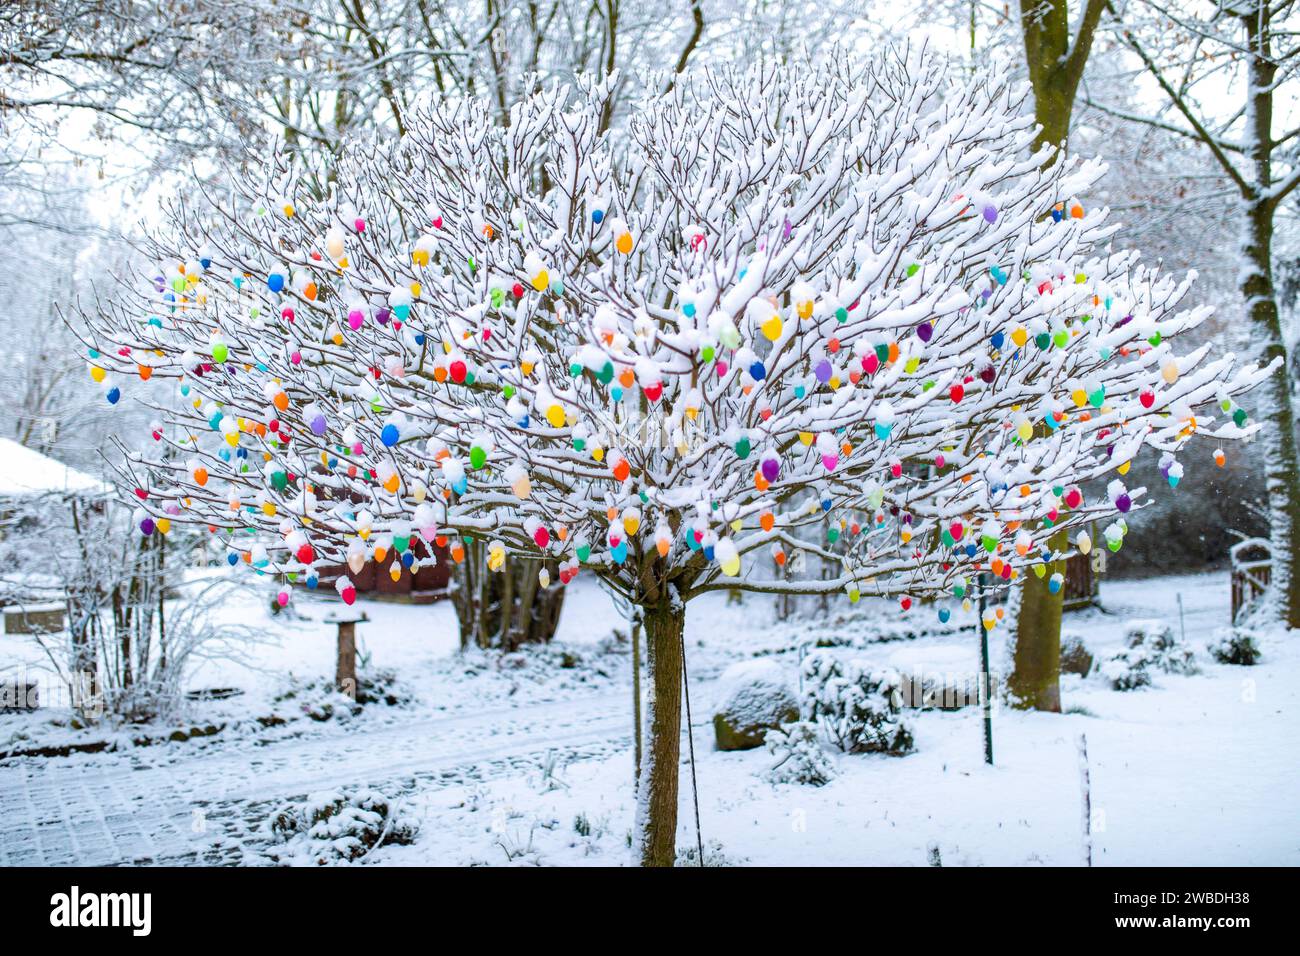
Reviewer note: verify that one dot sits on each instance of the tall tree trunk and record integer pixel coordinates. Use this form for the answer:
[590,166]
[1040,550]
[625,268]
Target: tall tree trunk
[1282,472]
[1035,676]
[1055,66]
[635,628]
[656,808]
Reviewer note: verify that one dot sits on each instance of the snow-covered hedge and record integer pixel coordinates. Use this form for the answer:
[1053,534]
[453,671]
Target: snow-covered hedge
[1163,649]
[1127,670]
[856,708]
[1151,645]
[1234,645]
[800,756]
[339,826]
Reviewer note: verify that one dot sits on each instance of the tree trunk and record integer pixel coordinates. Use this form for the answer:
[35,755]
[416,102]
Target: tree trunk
[1282,473]
[504,609]
[1035,676]
[1281,468]
[1055,62]
[656,808]
[1055,65]
[635,628]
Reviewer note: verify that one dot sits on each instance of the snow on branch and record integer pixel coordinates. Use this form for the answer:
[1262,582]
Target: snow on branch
[845,298]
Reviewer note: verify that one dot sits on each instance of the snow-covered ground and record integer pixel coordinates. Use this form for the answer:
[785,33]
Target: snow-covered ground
[528,759]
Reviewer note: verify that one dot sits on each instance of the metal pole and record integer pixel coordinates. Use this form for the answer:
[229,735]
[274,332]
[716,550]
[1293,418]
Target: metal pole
[986,682]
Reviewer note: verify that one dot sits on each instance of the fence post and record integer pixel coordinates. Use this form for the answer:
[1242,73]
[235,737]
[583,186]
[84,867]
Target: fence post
[345,671]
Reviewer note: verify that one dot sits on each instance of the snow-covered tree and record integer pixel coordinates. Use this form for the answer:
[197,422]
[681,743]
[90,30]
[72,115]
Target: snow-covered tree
[841,297]
[1246,55]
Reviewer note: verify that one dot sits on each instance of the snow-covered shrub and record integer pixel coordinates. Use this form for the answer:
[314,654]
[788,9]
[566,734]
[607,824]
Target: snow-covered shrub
[1127,670]
[320,700]
[753,698]
[339,826]
[1234,645]
[856,708]
[799,755]
[714,855]
[1162,649]
[1075,656]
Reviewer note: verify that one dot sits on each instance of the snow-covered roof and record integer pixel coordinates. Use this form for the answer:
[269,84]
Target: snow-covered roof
[26,472]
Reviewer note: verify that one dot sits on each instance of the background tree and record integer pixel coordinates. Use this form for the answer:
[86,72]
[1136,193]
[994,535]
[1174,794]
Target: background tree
[1250,48]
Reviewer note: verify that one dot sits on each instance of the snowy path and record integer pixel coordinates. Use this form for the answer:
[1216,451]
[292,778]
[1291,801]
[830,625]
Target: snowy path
[105,812]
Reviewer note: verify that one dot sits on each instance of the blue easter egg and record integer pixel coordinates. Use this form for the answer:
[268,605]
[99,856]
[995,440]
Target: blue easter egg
[389,435]
[275,282]
[114,394]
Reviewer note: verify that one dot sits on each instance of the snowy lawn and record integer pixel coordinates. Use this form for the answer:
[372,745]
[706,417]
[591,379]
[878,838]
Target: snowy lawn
[1196,770]
[528,760]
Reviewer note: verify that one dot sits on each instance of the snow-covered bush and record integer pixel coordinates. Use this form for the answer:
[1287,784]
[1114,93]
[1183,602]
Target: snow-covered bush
[753,699]
[715,854]
[1127,670]
[856,708]
[339,826]
[1234,645]
[800,757]
[1075,656]
[320,699]
[1162,649]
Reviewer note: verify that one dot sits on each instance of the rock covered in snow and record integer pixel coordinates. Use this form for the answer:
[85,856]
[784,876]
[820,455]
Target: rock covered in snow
[1075,656]
[753,697]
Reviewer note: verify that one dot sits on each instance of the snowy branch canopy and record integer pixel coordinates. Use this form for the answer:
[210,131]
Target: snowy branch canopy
[843,300]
